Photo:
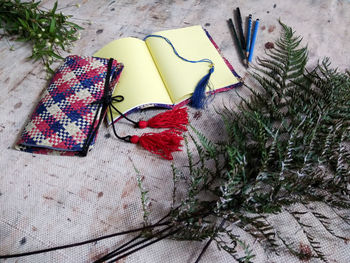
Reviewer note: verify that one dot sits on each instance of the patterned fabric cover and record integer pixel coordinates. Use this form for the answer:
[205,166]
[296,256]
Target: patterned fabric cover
[68,111]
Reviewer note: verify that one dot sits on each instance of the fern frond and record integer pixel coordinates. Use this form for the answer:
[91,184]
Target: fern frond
[206,143]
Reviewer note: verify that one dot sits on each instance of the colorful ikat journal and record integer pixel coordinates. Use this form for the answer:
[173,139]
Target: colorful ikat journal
[71,109]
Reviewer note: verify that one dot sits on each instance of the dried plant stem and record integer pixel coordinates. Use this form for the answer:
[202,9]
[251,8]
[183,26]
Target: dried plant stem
[83,242]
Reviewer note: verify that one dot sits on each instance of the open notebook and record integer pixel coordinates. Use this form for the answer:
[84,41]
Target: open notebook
[154,76]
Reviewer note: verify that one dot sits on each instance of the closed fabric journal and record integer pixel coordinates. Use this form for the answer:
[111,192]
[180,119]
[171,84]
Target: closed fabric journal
[71,109]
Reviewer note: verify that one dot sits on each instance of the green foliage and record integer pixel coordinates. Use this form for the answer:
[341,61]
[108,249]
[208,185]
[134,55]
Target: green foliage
[48,31]
[288,144]
[144,198]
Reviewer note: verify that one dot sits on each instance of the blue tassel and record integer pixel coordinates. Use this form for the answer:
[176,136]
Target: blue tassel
[198,96]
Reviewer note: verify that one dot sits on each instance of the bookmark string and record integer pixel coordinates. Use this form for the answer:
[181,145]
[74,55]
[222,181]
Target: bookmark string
[207,60]
[118,98]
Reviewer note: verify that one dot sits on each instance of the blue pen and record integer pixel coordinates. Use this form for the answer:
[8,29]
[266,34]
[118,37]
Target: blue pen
[251,50]
[248,34]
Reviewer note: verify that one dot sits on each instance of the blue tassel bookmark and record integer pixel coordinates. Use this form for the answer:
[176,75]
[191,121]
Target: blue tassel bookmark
[198,97]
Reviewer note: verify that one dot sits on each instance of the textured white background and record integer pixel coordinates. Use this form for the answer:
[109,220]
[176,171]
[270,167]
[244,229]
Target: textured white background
[49,201]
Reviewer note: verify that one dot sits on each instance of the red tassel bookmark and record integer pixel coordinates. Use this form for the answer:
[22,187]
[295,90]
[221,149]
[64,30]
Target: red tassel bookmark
[163,143]
[175,118]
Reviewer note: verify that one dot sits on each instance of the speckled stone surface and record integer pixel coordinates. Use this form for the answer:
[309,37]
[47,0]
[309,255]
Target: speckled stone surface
[52,200]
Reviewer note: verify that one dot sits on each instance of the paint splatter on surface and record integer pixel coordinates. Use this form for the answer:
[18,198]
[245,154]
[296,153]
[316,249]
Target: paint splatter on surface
[269,45]
[17,105]
[23,241]
[197,115]
[271,29]
[305,252]
[47,197]
[129,187]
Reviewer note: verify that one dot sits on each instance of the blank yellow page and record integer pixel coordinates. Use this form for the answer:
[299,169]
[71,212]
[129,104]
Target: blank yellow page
[181,77]
[139,82]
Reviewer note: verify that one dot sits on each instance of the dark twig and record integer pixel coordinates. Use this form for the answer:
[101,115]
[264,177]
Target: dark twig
[107,256]
[209,241]
[125,246]
[82,243]
[143,246]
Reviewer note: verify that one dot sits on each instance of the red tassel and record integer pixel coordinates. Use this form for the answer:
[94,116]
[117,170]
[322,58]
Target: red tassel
[163,143]
[175,118]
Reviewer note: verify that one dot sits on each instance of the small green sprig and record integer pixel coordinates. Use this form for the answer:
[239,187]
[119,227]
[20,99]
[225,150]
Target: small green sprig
[146,203]
[48,31]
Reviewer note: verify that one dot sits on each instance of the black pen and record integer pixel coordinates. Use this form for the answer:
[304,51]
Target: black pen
[238,43]
[240,28]
[248,35]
